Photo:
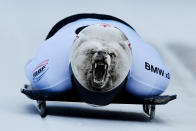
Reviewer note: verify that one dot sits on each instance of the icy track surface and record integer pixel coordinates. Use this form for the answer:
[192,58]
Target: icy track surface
[25,24]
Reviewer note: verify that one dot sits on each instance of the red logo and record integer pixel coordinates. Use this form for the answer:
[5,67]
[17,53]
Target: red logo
[105,25]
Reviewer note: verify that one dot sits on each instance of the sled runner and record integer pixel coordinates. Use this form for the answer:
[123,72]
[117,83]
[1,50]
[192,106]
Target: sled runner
[149,104]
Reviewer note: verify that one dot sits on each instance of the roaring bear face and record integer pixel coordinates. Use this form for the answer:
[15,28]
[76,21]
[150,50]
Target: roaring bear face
[100,57]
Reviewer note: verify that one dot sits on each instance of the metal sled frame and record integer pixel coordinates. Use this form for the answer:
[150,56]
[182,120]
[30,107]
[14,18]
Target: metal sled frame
[149,104]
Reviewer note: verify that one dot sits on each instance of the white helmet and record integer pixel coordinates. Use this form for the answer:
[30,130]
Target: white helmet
[100,57]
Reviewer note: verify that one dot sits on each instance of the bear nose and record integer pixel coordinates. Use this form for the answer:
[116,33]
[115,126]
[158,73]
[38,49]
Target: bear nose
[101,55]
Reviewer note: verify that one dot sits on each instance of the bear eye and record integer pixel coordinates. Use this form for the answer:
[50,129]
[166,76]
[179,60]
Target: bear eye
[91,51]
[112,54]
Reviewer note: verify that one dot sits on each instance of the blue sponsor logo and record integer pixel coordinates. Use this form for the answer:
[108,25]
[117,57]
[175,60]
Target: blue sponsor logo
[39,71]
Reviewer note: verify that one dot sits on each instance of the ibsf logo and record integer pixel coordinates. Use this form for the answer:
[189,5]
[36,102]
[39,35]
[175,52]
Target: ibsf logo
[40,70]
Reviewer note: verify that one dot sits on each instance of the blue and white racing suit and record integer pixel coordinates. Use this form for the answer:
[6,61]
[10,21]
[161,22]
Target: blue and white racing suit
[49,69]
